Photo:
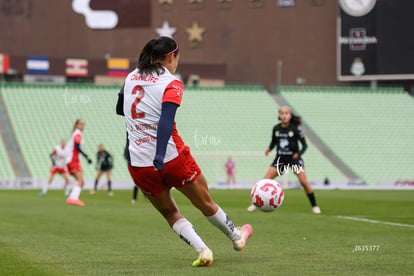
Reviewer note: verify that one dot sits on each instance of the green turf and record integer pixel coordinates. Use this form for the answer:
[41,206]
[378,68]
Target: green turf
[109,236]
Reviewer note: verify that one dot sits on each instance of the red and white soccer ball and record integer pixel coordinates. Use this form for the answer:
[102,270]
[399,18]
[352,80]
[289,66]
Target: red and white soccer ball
[267,195]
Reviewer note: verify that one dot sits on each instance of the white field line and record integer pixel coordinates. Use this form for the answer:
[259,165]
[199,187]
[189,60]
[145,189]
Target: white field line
[376,221]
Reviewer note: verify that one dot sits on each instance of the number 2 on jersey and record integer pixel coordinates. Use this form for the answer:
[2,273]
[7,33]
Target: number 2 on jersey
[137,89]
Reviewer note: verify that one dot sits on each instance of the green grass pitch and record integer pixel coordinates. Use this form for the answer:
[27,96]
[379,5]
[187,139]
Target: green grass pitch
[358,233]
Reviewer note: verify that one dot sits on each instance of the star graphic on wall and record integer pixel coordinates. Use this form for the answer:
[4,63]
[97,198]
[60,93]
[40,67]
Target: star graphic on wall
[166,30]
[195,33]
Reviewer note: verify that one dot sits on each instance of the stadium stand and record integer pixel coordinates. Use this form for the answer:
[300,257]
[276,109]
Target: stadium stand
[214,122]
[238,121]
[6,170]
[371,130]
[42,115]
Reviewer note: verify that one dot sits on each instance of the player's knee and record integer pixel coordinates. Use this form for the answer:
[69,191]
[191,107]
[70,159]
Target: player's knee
[170,214]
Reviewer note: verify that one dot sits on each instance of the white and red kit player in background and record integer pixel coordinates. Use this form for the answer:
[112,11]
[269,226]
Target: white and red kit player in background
[157,158]
[73,149]
[58,157]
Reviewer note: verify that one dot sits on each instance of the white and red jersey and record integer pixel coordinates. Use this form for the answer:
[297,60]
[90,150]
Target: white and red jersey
[59,156]
[143,98]
[71,151]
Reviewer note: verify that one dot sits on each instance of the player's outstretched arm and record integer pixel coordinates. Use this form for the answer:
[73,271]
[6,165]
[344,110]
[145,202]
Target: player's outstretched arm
[78,148]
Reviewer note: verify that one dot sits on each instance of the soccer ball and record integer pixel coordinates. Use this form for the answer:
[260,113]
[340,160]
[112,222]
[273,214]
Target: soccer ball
[267,195]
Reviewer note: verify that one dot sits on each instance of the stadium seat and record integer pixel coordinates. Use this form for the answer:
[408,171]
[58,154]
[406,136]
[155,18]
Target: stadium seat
[6,170]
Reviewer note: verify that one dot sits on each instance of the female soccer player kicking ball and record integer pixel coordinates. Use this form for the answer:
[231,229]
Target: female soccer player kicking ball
[158,159]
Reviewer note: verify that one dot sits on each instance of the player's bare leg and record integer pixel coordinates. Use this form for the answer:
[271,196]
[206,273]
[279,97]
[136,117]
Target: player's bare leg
[271,173]
[66,186]
[109,178]
[309,191]
[45,186]
[95,188]
[197,192]
[165,204]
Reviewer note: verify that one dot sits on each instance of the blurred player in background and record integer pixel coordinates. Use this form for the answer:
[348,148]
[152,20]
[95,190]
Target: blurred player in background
[286,136]
[58,157]
[104,165]
[230,167]
[73,148]
[157,156]
[135,189]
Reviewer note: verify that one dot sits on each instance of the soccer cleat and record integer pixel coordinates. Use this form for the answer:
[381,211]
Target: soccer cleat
[110,193]
[245,232]
[92,192]
[42,194]
[316,210]
[205,258]
[76,202]
[251,208]
[133,202]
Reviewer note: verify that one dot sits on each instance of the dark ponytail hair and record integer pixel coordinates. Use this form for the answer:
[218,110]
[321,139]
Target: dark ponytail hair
[296,120]
[155,51]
